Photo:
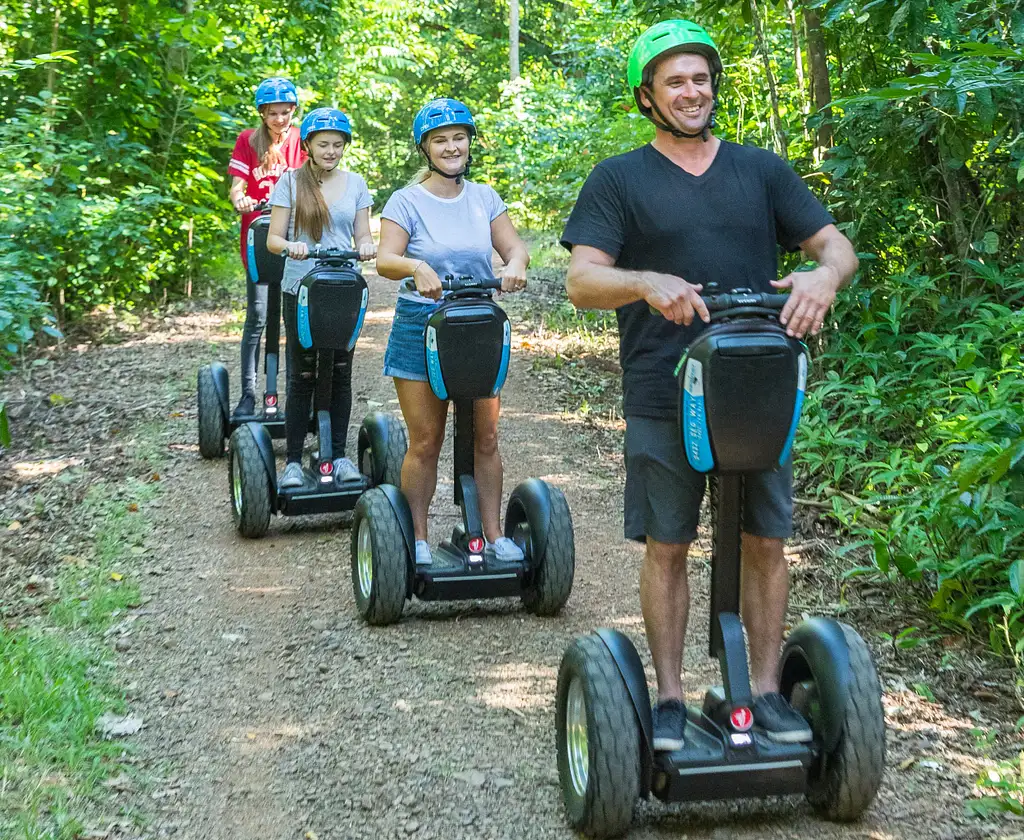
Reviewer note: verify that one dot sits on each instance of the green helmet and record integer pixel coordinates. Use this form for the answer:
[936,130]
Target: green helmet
[671,36]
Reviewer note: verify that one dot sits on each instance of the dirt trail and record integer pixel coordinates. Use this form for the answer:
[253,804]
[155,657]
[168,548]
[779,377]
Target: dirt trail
[272,712]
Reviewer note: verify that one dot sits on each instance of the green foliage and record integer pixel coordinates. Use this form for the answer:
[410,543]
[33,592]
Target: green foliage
[918,416]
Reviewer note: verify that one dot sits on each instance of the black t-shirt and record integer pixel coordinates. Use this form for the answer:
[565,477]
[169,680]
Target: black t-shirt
[724,226]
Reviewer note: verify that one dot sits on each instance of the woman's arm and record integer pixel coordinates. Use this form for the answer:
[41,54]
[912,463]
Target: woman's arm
[239,200]
[513,252]
[276,242]
[363,238]
[393,264]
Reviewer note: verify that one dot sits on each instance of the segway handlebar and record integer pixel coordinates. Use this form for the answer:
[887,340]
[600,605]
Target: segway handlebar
[732,300]
[451,283]
[319,253]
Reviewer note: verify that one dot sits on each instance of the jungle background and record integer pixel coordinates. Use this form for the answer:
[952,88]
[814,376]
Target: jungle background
[904,116]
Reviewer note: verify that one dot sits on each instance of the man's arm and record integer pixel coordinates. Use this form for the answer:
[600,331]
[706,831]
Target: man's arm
[593,282]
[814,291]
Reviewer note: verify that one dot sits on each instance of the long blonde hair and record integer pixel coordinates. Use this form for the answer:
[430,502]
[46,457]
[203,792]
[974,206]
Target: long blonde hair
[421,175]
[262,143]
[311,213]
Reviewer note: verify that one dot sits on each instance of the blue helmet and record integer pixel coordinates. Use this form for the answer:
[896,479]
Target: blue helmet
[325,119]
[276,90]
[439,113]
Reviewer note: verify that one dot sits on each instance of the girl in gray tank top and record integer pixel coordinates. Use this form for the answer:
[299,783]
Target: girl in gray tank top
[443,224]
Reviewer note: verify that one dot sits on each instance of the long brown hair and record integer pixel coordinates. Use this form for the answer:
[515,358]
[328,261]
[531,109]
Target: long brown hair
[263,144]
[311,213]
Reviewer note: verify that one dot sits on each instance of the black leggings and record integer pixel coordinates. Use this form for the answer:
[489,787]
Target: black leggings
[302,386]
[255,321]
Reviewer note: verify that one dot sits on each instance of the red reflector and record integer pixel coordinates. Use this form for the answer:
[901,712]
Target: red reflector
[271,400]
[741,719]
[326,467]
[476,545]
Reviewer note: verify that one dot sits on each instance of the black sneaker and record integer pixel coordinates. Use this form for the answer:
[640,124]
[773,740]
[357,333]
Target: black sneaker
[669,725]
[780,721]
[246,406]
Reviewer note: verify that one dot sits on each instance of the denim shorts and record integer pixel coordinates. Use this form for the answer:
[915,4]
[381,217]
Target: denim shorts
[405,356]
[663,492]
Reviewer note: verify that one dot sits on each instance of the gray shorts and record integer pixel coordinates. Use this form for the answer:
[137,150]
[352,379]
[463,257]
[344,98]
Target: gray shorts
[664,493]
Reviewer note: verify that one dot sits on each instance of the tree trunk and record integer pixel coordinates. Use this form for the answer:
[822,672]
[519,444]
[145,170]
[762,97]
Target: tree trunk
[513,39]
[821,89]
[781,144]
[798,62]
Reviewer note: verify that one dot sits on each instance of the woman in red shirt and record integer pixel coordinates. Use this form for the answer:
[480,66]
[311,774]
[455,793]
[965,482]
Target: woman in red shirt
[261,156]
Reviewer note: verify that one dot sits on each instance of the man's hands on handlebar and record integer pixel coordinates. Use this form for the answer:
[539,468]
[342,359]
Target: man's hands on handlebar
[673,297]
[809,301]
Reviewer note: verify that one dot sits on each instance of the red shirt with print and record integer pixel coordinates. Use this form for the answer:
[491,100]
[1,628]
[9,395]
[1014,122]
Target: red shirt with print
[259,181]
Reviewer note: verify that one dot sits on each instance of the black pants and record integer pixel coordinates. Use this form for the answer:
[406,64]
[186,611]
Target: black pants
[255,321]
[302,386]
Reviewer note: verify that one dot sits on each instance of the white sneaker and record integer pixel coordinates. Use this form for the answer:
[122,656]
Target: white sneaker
[424,557]
[344,471]
[505,551]
[292,475]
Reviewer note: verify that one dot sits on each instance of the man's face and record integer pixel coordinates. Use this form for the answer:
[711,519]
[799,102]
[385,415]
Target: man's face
[682,91]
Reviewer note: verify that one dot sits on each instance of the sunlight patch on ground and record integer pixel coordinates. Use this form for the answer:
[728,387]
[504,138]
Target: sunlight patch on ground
[53,466]
[264,590]
[519,686]
[628,622]
[379,316]
[258,738]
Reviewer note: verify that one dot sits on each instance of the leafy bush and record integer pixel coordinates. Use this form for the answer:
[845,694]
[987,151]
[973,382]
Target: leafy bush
[915,434]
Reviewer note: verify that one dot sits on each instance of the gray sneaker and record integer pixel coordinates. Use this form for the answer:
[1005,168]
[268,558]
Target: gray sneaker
[504,551]
[669,718]
[292,475]
[344,471]
[780,721]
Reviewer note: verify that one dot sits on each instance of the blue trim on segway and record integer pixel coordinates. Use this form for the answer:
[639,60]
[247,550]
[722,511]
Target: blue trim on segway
[817,650]
[801,385]
[250,255]
[359,321]
[631,669]
[403,514]
[506,347]
[696,438]
[434,366]
[302,318]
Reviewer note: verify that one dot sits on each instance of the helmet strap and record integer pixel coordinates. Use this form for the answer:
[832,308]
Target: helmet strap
[704,134]
[458,176]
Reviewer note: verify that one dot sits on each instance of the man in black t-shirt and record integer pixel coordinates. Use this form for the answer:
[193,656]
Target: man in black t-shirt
[649,230]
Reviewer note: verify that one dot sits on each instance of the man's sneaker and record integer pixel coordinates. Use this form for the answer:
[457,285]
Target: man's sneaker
[344,471]
[669,725]
[246,406]
[504,550]
[292,475]
[780,721]
[423,554]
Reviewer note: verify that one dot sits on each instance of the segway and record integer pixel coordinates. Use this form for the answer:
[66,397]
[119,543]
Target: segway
[330,310]
[741,389]
[216,422]
[467,345]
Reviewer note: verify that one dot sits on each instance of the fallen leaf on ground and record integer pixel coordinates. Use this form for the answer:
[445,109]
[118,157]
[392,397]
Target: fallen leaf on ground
[133,508]
[14,526]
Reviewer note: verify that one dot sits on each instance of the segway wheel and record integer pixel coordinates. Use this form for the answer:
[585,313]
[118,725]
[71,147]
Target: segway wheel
[212,430]
[379,561]
[598,741]
[386,463]
[552,572]
[843,783]
[250,486]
